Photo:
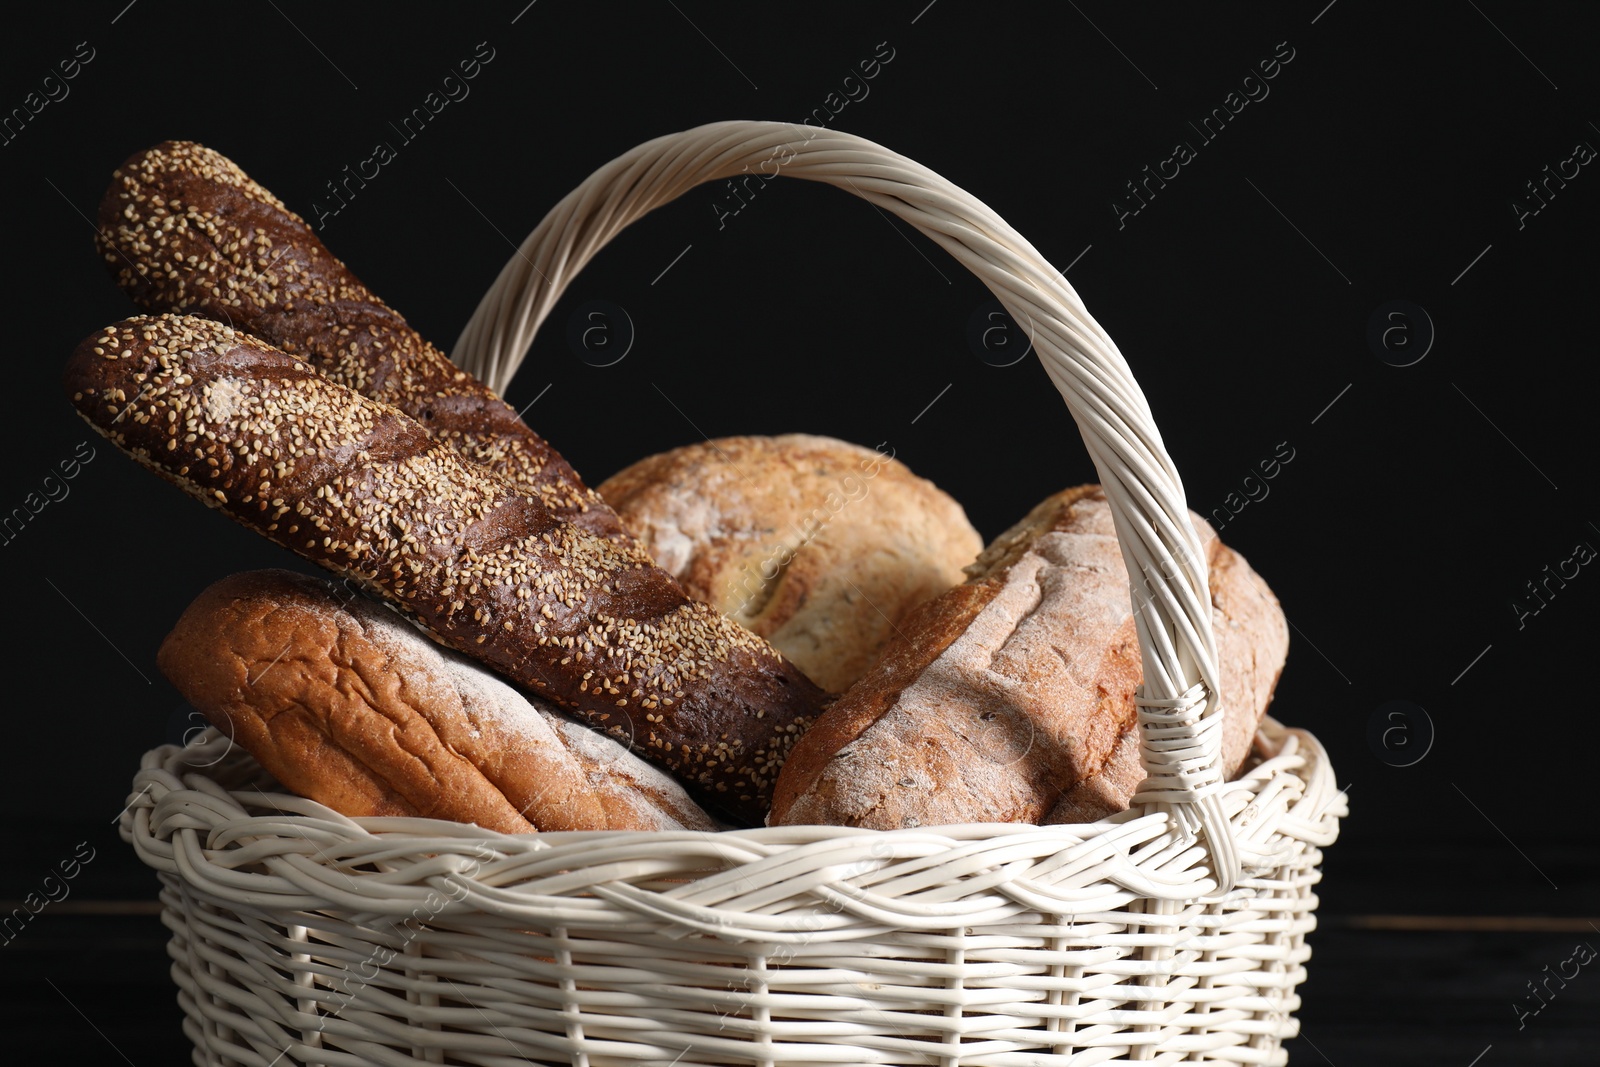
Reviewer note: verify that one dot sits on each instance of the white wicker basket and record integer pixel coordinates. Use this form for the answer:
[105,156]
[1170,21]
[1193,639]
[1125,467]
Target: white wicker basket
[1174,932]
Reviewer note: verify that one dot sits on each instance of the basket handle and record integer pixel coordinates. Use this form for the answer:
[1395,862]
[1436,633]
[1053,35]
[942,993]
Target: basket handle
[1179,710]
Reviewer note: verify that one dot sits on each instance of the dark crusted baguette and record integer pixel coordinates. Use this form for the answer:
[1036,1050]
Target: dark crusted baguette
[184,229]
[359,487]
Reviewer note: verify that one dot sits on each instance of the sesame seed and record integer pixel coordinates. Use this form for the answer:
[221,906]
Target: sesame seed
[436,519]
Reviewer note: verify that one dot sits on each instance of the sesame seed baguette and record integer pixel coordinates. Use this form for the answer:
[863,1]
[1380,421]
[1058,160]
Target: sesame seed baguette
[359,487]
[182,228]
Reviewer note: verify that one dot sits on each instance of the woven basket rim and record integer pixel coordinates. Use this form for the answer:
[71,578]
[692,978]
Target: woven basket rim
[254,849]
[171,758]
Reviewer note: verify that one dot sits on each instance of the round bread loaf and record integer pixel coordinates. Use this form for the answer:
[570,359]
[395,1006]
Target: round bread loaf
[819,545]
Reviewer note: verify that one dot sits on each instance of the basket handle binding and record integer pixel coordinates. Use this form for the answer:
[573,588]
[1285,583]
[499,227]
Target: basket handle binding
[1179,709]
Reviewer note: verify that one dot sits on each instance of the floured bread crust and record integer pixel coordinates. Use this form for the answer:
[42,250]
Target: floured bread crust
[345,702]
[1015,688]
[1252,643]
[818,545]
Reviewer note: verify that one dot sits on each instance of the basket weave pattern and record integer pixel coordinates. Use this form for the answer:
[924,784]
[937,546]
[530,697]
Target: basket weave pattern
[297,929]
[1174,932]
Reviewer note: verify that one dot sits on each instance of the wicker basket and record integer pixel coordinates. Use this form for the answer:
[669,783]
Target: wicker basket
[1174,932]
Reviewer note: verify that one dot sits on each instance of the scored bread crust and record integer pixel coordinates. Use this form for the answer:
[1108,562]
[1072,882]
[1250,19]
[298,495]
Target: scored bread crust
[818,545]
[1007,691]
[360,488]
[1252,644]
[182,228]
[345,702]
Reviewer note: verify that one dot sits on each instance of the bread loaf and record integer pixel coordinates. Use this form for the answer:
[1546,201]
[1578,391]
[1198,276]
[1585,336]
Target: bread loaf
[816,544]
[1012,689]
[182,228]
[360,488]
[345,702]
[1244,612]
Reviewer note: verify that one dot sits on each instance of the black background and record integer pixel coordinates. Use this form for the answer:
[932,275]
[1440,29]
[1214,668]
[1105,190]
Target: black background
[1382,166]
